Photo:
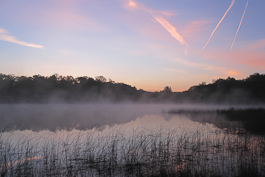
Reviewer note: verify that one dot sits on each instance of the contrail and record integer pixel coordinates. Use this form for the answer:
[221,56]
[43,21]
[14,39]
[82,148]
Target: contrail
[232,3]
[240,24]
[171,29]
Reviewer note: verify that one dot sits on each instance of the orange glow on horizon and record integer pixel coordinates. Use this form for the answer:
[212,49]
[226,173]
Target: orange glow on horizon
[233,73]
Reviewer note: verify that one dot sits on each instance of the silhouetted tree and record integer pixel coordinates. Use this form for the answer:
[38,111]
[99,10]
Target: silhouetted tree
[101,79]
[39,89]
[167,89]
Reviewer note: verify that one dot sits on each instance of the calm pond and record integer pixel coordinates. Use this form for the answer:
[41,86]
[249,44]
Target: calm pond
[130,140]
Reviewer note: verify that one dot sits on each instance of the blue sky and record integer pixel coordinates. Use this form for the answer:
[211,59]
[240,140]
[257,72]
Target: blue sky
[149,44]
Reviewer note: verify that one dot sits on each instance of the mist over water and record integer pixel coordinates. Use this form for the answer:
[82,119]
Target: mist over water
[52,117]
[39,117]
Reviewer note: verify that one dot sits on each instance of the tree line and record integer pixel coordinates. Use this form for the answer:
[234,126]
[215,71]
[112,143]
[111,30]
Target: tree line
[67,89]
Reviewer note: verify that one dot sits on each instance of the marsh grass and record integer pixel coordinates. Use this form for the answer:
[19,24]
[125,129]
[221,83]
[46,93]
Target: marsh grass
[160,152]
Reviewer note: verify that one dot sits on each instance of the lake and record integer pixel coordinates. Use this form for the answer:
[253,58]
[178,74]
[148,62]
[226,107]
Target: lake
[128,140]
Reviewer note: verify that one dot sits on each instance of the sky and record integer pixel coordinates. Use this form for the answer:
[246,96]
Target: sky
[148,44]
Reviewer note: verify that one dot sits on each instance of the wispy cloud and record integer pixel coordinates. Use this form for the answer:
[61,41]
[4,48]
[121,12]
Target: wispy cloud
[251,56]
[193,27]
[239,24]
[158,16]
[4,36]
[212,68]
[257,44]
[202,66]
[171,29]
[231,5]
[132,4]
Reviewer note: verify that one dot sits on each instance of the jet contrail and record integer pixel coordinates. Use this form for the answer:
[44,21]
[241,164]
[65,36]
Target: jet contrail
[171,29]
[232,3]
[240,24]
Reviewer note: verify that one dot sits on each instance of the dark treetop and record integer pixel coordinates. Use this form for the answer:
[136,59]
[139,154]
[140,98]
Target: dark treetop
[66,89]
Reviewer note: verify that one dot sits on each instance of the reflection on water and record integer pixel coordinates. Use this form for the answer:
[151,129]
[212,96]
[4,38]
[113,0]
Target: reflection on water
[125,140]
[219,121]
[69,116]
[38,117]
[60,120]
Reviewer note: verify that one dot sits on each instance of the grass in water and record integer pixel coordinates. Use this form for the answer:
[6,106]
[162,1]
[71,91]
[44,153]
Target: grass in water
[142,153]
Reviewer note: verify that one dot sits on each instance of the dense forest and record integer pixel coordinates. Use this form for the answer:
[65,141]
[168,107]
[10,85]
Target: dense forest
[67,89]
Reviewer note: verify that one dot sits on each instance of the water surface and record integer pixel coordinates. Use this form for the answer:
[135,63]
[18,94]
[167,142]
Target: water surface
[126,140]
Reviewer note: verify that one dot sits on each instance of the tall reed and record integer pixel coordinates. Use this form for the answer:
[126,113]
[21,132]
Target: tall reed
[159,152]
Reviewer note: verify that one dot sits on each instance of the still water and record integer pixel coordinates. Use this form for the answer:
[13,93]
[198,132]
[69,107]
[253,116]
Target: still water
[54,117]
[124,140]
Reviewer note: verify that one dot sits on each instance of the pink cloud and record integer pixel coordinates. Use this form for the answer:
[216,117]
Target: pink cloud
[132,4]
[144,24]
[249,58]
[193,28]
[166,13]
[171,29]
[158,16]
[258,44]
[243,56]
[251,54]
